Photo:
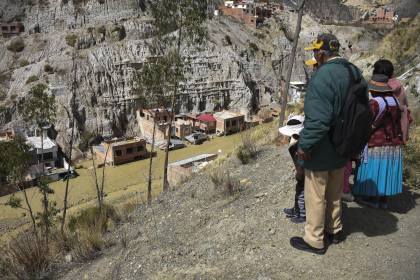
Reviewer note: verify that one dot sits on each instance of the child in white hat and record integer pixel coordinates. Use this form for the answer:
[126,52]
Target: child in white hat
[294,125]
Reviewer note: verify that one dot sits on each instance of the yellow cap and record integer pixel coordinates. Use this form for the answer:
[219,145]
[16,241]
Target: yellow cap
[315,45]
[311,62]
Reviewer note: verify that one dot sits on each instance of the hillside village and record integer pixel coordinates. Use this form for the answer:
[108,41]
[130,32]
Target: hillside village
[227,169]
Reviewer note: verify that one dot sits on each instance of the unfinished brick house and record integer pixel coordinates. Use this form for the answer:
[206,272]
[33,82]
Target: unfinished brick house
[180,170]
[11,29]
[228,122]
[146,119]
[118,151]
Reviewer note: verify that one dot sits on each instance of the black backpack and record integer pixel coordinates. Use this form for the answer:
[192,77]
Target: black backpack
[353,127]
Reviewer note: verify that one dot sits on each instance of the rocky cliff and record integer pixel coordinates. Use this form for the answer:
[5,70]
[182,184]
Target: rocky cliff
[108,40]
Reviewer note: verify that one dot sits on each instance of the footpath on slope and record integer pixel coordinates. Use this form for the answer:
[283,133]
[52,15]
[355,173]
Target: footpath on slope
[198,232]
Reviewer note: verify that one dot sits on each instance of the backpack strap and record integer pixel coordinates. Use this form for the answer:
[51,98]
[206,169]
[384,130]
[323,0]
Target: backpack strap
[396,124]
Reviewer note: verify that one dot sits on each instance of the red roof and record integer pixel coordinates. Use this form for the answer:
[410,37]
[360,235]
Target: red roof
[206,118]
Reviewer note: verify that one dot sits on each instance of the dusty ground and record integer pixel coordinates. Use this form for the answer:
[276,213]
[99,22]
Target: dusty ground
[196,232]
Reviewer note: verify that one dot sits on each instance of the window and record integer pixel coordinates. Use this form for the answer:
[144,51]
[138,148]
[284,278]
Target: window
[4,28]
[140,148]
[177,129]
[165,118]
[129,151]
[48,156]
[147,116]
[234,122]
[12,28]
[118,153]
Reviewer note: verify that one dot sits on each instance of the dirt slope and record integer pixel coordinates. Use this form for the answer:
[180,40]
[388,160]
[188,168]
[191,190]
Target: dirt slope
[196,232]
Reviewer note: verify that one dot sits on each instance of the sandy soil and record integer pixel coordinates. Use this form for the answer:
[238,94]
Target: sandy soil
[197,232]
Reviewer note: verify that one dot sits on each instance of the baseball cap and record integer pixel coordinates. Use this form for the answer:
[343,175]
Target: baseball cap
[326,42]
[293,126]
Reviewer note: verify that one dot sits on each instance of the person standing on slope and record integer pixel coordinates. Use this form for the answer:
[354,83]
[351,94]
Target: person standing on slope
[324,167]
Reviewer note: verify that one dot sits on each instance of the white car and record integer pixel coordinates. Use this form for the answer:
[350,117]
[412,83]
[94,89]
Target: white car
[197,138]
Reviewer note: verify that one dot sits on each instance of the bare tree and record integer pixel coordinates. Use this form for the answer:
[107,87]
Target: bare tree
[73,124]
[285,92]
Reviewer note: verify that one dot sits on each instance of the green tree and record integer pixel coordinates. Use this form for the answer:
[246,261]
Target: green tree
[39,108]
[15,159]
[177,24]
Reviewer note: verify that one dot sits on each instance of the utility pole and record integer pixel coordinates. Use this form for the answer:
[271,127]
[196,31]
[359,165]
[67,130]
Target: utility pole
[292,60]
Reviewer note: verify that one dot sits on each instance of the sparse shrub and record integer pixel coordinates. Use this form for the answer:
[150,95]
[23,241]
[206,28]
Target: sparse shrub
[411,162]
[32,79]
[3,94]
[222,179]
[247,150]
[48,69]
[253,47]
[91,217]
[26,257]
[101,29]
[23,62]
[16,45]
[86,244]
[71,39]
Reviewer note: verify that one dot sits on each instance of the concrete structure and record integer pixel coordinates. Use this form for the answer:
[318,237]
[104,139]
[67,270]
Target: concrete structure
[228,122]
[118,151]
[11,29]
[180,170]
[146,120]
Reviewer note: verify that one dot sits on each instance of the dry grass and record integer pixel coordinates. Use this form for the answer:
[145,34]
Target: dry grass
[25,257]
[222,179]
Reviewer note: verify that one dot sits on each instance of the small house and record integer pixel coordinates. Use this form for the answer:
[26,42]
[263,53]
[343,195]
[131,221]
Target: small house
[44,149]
[148,118]
[120,150]
[206,123]
[7,135]
[228,122]
[180,170]
[182,128]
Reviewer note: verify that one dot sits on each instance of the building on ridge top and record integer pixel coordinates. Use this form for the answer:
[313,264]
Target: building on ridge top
[11,29]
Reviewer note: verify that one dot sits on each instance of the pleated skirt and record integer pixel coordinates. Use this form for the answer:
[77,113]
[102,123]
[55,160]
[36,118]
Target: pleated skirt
[380,172]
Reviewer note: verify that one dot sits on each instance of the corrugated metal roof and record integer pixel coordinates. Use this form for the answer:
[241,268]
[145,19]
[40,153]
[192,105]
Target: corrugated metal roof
[192,159]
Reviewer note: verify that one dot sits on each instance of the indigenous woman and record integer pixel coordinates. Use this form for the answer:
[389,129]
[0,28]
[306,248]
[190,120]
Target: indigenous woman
[380,172]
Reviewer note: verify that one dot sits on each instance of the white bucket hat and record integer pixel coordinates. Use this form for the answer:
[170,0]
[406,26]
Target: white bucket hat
[293,126]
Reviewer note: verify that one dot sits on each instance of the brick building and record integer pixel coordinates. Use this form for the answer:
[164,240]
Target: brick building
[228,122]
[180,170]
[146,120]
[250,12]
[383,15]
[118,151]
[11,29]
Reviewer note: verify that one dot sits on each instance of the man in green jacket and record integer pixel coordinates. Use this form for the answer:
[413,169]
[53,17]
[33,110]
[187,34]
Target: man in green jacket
[324,168]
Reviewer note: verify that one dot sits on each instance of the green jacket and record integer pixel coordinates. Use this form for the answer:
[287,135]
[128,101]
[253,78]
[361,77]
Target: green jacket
[323,102]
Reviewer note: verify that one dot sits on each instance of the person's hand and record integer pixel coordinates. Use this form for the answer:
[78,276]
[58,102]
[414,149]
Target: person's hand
[302,155]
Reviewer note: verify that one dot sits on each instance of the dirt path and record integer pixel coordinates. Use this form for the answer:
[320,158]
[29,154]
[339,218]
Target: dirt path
[196,232]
